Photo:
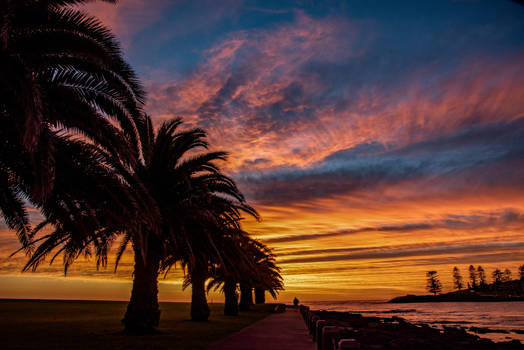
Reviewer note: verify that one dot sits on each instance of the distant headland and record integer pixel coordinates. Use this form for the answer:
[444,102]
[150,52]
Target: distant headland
[458,296]
[502,288]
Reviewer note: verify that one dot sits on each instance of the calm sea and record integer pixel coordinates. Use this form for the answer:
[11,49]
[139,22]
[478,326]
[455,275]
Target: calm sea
[500,315]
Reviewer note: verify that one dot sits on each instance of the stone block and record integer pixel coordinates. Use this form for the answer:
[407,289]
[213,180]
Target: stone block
[345,344]
[317,332]
[328,333]
[312,323]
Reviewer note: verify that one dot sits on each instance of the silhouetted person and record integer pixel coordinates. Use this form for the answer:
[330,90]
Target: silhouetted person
[295,303]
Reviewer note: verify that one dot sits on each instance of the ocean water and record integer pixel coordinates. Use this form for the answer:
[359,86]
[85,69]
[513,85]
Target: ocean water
[497,315]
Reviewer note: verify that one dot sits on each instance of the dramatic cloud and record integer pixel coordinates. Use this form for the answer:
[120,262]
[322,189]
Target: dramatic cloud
[294,94]
[481,151]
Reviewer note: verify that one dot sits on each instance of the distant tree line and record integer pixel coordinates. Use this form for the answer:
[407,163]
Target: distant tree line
[433,286]
[477,278]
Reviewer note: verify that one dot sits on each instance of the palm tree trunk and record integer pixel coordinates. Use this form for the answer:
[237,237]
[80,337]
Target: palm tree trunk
[142,314]
[246,297]
[231,298]
[260,296]
[199,308]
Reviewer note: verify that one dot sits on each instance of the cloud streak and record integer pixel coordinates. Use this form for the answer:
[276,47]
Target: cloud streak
[451,222]
[477,153]
[444,249]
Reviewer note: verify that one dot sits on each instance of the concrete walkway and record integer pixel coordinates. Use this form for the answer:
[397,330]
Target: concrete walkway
[285,331]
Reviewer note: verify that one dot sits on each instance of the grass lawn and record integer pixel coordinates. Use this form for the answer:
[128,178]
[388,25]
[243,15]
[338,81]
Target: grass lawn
[43,324]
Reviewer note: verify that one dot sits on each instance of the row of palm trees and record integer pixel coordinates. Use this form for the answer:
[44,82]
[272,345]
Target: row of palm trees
[76,144]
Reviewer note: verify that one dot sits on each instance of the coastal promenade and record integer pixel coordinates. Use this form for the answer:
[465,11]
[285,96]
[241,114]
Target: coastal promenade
[283,331]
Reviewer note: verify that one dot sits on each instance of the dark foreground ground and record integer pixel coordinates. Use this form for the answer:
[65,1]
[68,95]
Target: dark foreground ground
[96,325]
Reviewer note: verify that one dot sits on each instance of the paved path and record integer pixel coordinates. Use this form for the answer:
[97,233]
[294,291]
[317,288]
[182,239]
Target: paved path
[285,331]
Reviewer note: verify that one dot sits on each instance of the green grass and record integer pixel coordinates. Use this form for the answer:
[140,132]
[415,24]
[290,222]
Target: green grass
[96,325]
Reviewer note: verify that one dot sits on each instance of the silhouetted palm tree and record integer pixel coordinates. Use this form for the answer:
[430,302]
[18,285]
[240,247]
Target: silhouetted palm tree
[246,296]
[227,283]
[86,214]
[225,275]
[266,276]
[226,257]
[75,143]
[61,72]
[195,202]
[169,208]
[257,268]
[212,222]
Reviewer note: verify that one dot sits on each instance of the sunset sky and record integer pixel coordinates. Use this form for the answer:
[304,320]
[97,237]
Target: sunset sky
[377,139]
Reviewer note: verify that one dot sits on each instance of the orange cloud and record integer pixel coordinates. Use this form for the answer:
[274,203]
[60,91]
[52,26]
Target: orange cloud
[257,98]
[126,18]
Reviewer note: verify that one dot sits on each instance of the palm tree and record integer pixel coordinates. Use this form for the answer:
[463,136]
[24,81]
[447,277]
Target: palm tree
[227,283]
[246,296]
[168,192]
[211,223]
[266,276]
[87,213]
[260,295]
[228,260]
[72,110]
[195,202]
[257,268]
[62,73]
[225,276]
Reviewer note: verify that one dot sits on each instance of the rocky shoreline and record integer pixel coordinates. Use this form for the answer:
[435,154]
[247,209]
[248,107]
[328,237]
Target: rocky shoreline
[471,297]
[333,330]
[495,292]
